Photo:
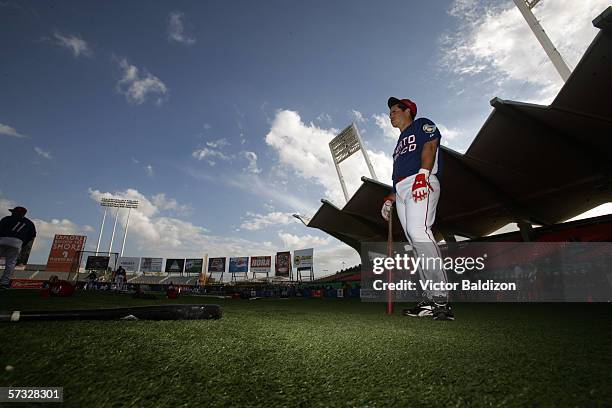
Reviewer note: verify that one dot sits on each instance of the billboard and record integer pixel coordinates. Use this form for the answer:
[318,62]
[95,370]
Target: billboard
[283,263]
[64,251]
[151,265]
[97,263]
[216,265]
[194,265]
[175,265]
[302,258]
[129,263]
[261,264]
[239,264]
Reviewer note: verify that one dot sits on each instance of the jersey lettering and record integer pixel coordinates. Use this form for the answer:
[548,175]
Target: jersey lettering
[407,144]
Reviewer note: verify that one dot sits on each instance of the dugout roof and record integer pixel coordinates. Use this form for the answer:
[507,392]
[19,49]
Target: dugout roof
[533,163]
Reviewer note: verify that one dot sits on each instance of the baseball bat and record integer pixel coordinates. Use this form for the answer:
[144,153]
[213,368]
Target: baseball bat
[159,312]
[390,254]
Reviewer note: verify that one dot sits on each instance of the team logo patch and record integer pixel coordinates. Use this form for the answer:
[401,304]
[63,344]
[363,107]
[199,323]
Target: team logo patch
[429,128]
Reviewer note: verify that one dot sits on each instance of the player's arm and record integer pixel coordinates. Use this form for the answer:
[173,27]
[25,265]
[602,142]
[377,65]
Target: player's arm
[421,186]
[428,155]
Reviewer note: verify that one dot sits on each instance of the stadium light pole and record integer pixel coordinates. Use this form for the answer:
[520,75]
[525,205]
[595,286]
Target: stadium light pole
[117,203]
[101,229]
[113,234]
[131,204]
[555,57]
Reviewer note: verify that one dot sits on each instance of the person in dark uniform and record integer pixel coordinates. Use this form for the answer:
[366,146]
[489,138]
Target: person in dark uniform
[16,231]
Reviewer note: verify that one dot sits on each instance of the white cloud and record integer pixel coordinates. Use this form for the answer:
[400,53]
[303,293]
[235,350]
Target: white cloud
[303,149]
[9,131]
[77,45]
[5,204]
[164,203]
[390,133]
[252,159]
[176,29]
[209,155]
[43,153]
[149,170]
[293,242]
[46,231]
[137,87]
[207,126]
[217,143]
[324,117]
[495,42]
[152,233]
[259,221]
[330,260]
[448,133]
[358,116]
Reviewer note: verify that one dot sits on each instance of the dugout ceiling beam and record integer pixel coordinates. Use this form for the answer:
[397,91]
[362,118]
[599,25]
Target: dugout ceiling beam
[519,212]
[586,153]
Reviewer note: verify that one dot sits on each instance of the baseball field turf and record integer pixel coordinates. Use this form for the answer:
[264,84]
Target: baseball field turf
[313,352]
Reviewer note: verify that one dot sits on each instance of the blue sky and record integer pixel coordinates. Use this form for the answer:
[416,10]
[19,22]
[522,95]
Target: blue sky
[217,115]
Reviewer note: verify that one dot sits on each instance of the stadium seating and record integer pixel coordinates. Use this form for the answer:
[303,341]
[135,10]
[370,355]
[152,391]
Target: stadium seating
[146,280]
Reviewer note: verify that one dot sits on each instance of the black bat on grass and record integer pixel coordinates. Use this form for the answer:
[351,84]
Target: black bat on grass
[160,312]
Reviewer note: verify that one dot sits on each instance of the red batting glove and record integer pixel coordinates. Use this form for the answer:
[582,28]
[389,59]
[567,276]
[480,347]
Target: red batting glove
[421,186]
[386,208]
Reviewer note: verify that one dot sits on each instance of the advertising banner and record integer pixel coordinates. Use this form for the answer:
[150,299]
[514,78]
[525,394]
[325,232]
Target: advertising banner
[193,265]
[283,264]
[302,258]
[151,265]
[64,251]
[216,265]
[26,284]
[175,265]
[261,264]
[130,263]
[239,264]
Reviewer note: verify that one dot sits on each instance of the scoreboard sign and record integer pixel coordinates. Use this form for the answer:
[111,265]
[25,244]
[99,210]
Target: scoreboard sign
[97,263]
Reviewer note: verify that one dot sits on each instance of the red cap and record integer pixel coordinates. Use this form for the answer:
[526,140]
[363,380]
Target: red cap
[406,102]
[19,210]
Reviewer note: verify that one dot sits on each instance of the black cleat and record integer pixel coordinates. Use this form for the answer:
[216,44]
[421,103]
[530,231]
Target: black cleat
[443,312]
[422,309]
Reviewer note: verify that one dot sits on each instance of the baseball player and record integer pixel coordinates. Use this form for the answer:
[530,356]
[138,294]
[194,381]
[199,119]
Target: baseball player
[16,231]
[416,191]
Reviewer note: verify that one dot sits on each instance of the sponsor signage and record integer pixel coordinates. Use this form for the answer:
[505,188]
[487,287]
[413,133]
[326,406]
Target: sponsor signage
[283,263]
[130,263]
[216,264]
[261,264]
[303,258]
[151,264]
[239,264]
[64,252]
[26,284]
[175,265]
[194,265]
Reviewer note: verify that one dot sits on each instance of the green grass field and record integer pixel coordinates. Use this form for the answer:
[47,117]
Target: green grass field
[314,352]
